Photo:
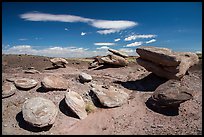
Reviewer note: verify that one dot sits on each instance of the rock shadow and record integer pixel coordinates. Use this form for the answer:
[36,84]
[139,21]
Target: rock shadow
[65,109]
[42,90]
[105,66]
[167,111]
[148,83]
[53,67]
[27,126]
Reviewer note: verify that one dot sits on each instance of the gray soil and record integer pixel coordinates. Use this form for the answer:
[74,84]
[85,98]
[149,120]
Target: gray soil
[136,117]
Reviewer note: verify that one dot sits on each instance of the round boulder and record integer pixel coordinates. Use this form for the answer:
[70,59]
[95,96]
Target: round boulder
[85,77]
[25,83]
[59,62]
[8,89]
[39,112]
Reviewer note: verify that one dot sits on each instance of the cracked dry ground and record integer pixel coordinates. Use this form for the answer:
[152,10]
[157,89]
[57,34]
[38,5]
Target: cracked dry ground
[134,117]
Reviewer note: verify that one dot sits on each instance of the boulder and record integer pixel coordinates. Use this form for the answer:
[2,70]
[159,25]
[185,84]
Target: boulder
[115,60]
[25,83]
[172,93]
[54,82]
[76,104]
[110,96]
[119,53]
[39,112]
[59,62]
[162,56]
[85,77]
[8,89]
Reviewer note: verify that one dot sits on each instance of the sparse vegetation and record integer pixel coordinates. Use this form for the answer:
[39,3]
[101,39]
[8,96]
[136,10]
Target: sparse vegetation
[89,107]
[199,55]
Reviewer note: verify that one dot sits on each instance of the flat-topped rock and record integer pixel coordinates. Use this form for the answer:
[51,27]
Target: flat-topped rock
[84,77]
[119,53]
[39,112]
[76,103]
[25,83]
[54,82]
[59,62]
[8,89]
[110,96]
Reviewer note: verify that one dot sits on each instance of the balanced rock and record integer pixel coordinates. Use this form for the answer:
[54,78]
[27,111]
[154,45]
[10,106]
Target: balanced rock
[76,104]
[85,77]
[8,89]
[39,112]
[54,82]
[59,62]
[119,53]
[172,93]
[115,60]
[110,96]
[25,83]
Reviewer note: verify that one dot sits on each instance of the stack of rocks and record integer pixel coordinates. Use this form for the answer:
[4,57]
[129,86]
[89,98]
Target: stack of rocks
[116,59]
[164,62]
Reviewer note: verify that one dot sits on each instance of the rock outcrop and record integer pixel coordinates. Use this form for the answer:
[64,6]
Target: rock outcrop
[166,63]
[59,62]
[39,112]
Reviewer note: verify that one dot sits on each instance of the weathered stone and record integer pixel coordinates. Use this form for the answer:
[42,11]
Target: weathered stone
[39,112]
[59,62]
[76,103]
[119,53]
[8,89]
[162,56]
[115,60]
[25,83]
[54,82]
[110,96]
[172,93]
[85,77]
[32,71]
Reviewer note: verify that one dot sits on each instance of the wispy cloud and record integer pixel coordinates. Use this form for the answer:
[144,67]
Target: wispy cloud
[133,37]
[118,39]
[129,51]
[134,44]
[104,44]
[107,26]
[83,33]
[66,29]
[22,39]
[103,47]
[150,41]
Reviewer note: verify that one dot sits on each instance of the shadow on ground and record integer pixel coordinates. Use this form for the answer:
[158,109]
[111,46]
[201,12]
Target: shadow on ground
[167,111]
[148,83]
[25,125]
[105,66]
[66,109]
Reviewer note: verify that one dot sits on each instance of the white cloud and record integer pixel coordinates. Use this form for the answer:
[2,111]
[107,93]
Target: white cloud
[198,52]
[103,47]
[150,41]
[104,44]
[66,29]
[128,51]
[134,44]
[118,39]
[108,26]
[83,33]
[22,39]
[133,37]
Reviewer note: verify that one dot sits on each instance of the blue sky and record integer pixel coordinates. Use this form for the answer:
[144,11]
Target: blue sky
[85,29]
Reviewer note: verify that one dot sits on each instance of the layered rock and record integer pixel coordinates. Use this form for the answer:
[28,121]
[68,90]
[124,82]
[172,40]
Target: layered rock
[54,82]
[76,104]
[116,52]
[8,89]
[110,96]
[39,112]
[166,63]
[25,83]
[60,62]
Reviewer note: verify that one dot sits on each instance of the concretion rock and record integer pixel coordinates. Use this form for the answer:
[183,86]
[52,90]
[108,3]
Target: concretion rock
[116,52]
[59,62]
[85,77]
[76,103]
[25,83]
[54,82]
[39,112]
[8,89]
[115,60]
[110,96]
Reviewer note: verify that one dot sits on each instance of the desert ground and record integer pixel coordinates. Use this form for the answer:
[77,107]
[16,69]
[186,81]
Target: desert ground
[135,117]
